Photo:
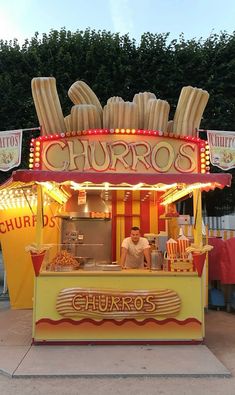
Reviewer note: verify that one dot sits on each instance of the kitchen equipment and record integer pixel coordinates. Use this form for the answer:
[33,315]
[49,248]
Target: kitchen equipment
[61,268]
[90,266]
[82,260]
[96,237]
[156,260]
[111,267]
[150,237]
[162,238]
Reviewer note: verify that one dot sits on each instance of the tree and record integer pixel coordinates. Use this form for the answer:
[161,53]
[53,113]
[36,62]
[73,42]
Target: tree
[115,65]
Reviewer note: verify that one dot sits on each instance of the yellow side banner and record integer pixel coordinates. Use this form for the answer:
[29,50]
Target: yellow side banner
[17,230]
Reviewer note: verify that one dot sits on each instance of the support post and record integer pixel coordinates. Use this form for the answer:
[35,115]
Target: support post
[198,240]
[39,220]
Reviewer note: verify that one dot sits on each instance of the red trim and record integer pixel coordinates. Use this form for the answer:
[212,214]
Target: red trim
[7,183]
[128,215]
[161,211]
[144,213]
[114,213]
[218,179]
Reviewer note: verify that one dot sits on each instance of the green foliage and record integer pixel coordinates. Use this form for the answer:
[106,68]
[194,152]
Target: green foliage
[115,65]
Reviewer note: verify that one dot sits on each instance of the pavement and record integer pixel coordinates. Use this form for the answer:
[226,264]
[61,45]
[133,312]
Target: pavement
[178,370]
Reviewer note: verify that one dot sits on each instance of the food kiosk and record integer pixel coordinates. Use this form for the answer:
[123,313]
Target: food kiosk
[131,176]
[104,170]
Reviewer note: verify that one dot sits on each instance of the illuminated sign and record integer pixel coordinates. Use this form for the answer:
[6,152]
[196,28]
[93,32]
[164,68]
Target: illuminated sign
[124,153]
[100,304]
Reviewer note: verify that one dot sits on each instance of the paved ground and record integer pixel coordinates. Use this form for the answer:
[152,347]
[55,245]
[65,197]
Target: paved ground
[220,339]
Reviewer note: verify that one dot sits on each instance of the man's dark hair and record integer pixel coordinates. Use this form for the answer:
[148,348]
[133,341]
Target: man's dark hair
[135,228]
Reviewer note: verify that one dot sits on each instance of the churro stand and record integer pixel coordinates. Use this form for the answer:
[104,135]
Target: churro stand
[115,178]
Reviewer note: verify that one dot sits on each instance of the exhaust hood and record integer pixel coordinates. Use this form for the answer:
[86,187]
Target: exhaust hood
[94,203]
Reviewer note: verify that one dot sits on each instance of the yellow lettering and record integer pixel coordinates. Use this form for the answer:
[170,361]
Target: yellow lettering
[90,301]
[77,302]
[104,299]
[149,299]
[138,303]
[114,302]
[126,302]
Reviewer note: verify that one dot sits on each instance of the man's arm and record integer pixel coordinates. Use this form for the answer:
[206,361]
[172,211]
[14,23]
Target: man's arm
[123,257]
[147,257]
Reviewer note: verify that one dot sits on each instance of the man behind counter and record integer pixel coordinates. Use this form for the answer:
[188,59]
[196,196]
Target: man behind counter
[134,250]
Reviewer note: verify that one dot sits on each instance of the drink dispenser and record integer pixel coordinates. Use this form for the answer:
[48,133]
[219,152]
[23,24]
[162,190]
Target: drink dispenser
[156,255]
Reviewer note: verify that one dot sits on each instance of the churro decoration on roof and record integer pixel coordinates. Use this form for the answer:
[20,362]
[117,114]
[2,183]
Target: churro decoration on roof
[146,111]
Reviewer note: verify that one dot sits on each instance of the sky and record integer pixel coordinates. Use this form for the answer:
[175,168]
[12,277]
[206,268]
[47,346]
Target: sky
[195,18]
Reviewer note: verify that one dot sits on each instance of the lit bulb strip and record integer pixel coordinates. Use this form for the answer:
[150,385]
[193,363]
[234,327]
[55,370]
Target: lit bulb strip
[122,187]
[11,202]
[55,192]
[19,196]
[145,132]
[176,195]
[205,157]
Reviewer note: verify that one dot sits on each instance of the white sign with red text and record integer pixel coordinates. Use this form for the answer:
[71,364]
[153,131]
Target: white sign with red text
[10,149]
[222,148]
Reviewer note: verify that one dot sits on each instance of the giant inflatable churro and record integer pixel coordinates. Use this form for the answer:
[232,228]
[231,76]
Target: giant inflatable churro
[81,93]
[189,111]
[157,115]
[114,99]
[120,114]
[142,99]
[144,112]
[47,105]
[85,116]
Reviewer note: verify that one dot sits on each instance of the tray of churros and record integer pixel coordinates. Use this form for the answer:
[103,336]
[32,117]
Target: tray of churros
[63,262]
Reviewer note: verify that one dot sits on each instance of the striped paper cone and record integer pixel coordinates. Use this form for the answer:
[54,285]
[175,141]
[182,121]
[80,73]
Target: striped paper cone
[183,243]
[171,248]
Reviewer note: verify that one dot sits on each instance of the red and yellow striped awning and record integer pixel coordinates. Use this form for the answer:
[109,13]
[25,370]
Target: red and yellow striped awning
[216,180]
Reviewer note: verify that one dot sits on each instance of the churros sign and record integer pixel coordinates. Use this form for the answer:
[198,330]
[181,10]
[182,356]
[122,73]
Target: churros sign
[10,149]
[100,304]
[110,153]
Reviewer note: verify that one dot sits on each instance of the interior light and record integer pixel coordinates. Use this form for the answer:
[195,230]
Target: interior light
[137,186]
[186,190]
[55,192]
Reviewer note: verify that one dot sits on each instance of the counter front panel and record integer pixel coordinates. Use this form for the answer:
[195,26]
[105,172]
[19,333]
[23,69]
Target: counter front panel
[126,306]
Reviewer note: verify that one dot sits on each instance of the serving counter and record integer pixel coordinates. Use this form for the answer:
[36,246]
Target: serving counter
[127,306]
